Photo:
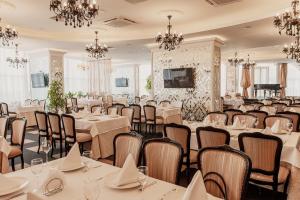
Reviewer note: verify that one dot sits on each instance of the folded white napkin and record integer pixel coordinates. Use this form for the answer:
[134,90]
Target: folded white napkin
[72,160]
[237,123]
[196,189]
[4,146]
[243,108]
[8,183]
[276,127]
[292,110]
[54,179]
[267,131]
[128,174]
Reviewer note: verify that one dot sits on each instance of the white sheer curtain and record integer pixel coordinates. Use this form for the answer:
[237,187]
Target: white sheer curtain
[14,85]
[99,76]
[75,78]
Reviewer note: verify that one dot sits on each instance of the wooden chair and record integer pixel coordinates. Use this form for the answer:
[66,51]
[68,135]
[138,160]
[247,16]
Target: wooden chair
[42,125]
[230,113]
[182,135]
[119,107]
[270,121]
[295,117]
[165,103]
[95,107]
[280,107]
[71,136]
[163,158]
[3,126]
[56,133]
[75,106]
[35,102]
[260,115]
[43,103]
[225,172]
[151,102]
[18,129]
[250,120]
[137,100]
[151,120]
[6,112]
[111,110]
[125,144]
[264,152]
[216,117]
[128,112]
[137,117]
[211,137]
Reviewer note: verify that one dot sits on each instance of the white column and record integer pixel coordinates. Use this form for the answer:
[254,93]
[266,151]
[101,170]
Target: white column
[136,79]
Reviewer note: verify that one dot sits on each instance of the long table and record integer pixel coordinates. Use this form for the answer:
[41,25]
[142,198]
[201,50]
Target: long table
[76,180]
[290,152]
[28,113]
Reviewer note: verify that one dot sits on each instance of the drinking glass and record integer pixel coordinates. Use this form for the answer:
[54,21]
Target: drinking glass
[46,146]
[36,169]
[290,127]
[142,178]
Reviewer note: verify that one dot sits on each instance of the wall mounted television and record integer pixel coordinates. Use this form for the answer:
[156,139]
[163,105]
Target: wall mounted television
[122,82]
[179,78]
[39,80]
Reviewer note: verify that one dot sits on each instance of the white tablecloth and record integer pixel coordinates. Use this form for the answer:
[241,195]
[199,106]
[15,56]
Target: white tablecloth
[28,113]
[103,131]
[234,102]
[76,180]
[89,102]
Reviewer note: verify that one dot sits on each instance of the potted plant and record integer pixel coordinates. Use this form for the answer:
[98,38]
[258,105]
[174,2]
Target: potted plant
[148,86]
[56,94]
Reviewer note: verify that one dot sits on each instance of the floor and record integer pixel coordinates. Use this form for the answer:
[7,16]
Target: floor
[30,152]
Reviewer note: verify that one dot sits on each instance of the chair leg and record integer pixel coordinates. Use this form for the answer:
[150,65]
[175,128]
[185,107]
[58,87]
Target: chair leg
[52,144]
[188,171]
[13,164]
[61,146]
[39,144]
[66,148]
[22,161]
[275,186]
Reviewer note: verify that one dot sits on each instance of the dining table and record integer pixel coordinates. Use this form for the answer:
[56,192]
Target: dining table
[103,129]
[290,154]
[28,113]
[80,181]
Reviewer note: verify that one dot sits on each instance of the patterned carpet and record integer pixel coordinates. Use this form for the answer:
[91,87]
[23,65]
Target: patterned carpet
[31,146]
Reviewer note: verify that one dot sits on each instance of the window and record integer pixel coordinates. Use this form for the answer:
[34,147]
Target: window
[293,80]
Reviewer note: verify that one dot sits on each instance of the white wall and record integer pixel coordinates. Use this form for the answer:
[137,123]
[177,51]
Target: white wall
[123,71]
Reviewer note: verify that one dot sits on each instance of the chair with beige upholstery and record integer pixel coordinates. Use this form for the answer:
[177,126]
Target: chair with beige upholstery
[111,110]
[56,133]
[109,100]
[137,100]
[211,137]
[260,115]
[295,117]
[230,113]
[95,108]
[43,103]
[127,111]
[257,105]
[35,102]
[216,117]
[264,152]
[125,144]
[18,129]
[269,109]
[3,125]
[151,102]
[182,135]
[246,107]
[280,107]
[247,119]
[119,107]
[287,102]
[225,172]
[75,106]
[71,136]
[165,103]
[42,125]
[137,117]
[6,112]
[151,120]
[270,121]
[163,158]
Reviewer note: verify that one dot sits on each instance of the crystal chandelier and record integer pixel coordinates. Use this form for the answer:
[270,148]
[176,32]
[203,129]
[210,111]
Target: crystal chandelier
[249,63]
[289,20]
[235,61]
[17,61]
[293,51]
[96,50]
[7,35]
[169,41]
[75,12]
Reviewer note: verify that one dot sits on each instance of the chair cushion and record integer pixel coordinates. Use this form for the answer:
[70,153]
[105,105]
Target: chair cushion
[83,137]
[282,176]
[15,151]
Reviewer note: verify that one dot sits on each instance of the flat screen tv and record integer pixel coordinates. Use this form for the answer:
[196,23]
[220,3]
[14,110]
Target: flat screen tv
[179,78]
[121,82]
[39,80]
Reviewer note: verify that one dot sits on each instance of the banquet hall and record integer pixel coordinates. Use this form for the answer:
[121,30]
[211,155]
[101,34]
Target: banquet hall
[149,100]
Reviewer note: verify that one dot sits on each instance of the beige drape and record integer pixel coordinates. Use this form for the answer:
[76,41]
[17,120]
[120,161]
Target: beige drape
[246,81]
[282,78]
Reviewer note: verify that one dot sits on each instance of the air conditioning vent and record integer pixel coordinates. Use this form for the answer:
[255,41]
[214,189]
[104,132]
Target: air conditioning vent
[135,1]
[119,22]
[221,2]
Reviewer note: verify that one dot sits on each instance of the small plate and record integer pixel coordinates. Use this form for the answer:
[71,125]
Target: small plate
[22,183]
[108,181]
[73,168]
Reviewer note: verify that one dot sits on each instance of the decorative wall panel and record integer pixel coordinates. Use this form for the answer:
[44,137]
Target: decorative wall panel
[204,57]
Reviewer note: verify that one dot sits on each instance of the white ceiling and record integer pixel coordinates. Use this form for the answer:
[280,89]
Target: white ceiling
[242,25]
